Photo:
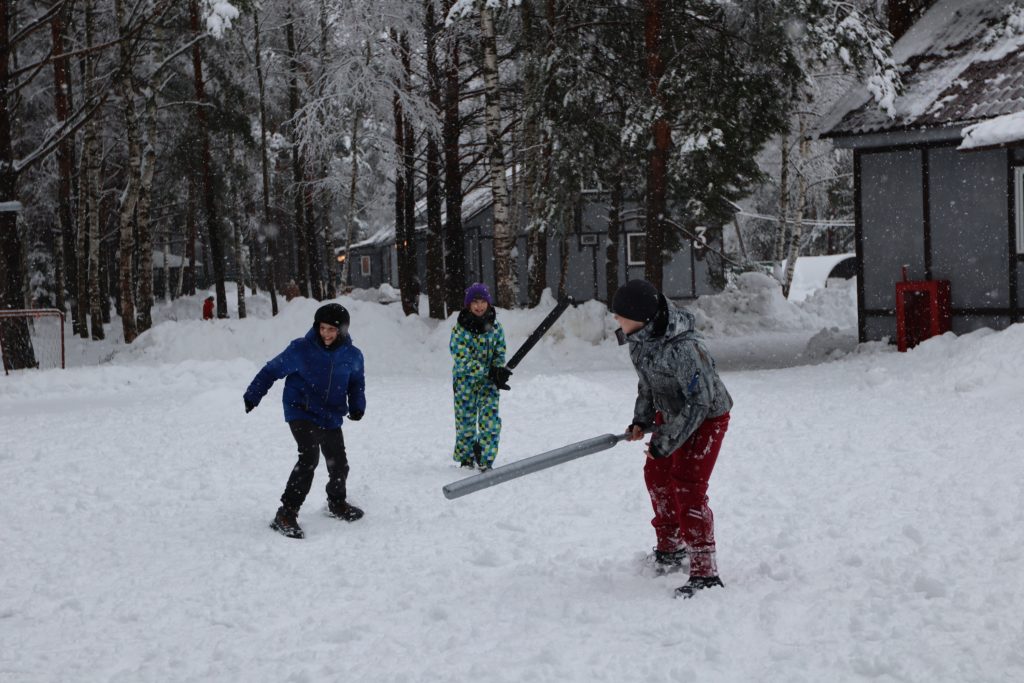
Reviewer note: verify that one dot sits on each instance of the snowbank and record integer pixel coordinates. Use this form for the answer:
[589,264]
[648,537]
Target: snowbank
[811,274]
[755,305]
[395,343]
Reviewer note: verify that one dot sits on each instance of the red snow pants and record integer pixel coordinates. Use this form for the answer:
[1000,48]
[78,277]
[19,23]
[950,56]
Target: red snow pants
[678,485]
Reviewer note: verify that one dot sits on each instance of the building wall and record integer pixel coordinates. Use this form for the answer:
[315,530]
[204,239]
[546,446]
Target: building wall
[892,224]
[1020,281]
[943,213]
[379,272]
[685,276]
[969,219]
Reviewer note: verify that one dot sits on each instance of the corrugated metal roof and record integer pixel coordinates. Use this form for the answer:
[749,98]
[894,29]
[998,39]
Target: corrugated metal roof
[958,67]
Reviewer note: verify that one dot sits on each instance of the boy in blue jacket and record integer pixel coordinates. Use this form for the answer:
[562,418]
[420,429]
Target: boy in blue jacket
[325,381]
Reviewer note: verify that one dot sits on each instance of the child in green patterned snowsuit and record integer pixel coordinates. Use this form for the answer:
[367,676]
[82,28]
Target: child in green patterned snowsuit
[478,352]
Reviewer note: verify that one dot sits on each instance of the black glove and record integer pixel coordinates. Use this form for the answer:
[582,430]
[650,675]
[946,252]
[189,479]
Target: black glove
[499,374]
[355,415]
[248,406]
[655,452]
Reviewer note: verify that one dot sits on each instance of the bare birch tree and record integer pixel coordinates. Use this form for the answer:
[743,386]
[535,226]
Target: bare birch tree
[504,232]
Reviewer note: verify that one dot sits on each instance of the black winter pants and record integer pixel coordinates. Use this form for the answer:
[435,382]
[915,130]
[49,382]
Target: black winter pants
[311,439]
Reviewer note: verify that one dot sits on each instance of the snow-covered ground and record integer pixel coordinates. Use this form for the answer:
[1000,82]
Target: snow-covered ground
[869,511]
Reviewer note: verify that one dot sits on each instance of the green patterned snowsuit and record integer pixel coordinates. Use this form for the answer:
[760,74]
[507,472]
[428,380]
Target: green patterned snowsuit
[476,397]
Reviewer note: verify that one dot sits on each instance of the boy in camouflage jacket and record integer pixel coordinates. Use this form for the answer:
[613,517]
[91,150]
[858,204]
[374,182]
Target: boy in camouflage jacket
[682,400]
[478,352]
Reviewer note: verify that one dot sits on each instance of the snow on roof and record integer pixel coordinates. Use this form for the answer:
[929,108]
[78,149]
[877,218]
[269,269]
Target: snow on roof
[381,238]
[959,65]
[173,261]
[473,202]
[997,131]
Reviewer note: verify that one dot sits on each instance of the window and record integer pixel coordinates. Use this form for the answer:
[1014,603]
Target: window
[1018,194]
[588,240]
[636,248]
[364,266]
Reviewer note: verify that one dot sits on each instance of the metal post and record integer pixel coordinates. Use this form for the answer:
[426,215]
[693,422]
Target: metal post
[558,456]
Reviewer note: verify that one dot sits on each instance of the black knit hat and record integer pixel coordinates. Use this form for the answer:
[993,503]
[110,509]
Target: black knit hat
[636,300]
[332,314]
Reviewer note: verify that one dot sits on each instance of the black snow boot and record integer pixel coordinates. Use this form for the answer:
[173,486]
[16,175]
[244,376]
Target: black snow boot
[697,583]
[343,510]
[286,523]
[668,561]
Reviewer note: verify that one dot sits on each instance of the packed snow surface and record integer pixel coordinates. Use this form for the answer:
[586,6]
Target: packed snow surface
[868,506]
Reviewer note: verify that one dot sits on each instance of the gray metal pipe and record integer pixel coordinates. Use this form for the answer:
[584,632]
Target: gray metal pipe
[535,463]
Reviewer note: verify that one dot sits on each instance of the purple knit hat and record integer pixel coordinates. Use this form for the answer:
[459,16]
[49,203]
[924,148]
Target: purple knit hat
[477,290]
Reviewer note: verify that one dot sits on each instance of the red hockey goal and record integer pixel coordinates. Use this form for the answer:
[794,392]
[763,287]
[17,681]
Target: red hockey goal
[46,330]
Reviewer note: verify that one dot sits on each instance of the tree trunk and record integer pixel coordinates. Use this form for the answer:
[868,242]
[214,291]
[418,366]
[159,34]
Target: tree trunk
[330,258]
[411,250]
[537,185]
[145,227]
[801,203]
[82,233]
[130,195]
[435,234]
[454,244]
[316,289]
[350,215]
[94,185]
[179,290]
[538,160]
[14,334]
[401,239]
[301,239]
[563,263]
[409,163]
[504,231]
[611,253]
[405,242]
[903,14]
[167,264]
[330,261]
[661,140]
[239,265]
[210,201]
[67,277]
[265,170]
[780,241]
[191,235]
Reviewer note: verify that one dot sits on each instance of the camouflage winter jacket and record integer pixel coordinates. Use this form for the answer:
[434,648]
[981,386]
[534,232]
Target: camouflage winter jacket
[677,379]
[476,345]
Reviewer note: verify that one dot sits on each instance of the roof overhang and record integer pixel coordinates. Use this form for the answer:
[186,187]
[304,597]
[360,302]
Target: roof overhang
[900,138]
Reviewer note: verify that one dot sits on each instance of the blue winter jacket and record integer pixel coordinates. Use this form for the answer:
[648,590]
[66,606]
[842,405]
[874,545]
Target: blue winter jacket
[323,384]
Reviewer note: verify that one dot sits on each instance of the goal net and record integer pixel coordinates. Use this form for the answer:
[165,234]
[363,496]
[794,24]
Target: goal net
[45,328]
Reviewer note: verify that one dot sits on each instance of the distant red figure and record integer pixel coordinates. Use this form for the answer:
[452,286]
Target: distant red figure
[208,308]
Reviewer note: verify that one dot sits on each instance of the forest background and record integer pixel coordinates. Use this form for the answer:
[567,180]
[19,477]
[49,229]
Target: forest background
[255,141]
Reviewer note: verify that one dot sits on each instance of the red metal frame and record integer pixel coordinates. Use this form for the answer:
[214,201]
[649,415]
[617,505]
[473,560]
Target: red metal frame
[923,310]
[34,313]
